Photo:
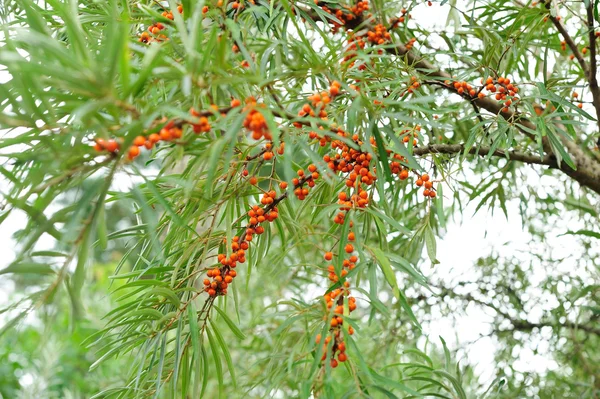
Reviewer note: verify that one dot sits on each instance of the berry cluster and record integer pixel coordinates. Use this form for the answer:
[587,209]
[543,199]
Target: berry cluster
[318,103]
[351,51]
[153,34]
[346,14]
[219,283]
[414,84]
[408,133]
[504,90]
[403,17]
[309,179]
[203,126]
[397,168]
[411,42]
[425,181]
[379,35]
[168,133]
[256,217]
[464,88]
[111,145]
[334,300]
[255,120]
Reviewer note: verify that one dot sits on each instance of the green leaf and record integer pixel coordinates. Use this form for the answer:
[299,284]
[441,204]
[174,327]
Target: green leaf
[587,233]
[386,268]
[238,333]
[226,353]
[559,148]
[214,348]
[28,267]
[431,245]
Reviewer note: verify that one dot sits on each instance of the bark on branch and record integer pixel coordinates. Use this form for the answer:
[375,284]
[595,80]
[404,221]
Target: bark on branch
[451,149]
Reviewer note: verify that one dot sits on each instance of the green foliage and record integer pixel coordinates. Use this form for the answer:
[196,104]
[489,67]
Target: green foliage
[81,71]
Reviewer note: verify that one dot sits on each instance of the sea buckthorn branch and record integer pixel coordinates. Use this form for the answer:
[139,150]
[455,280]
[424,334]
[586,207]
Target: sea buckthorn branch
[224,275]
[587,171]
[335,303]
[153,33]
[359,172]
[568,40]
[590,70]
[450,149]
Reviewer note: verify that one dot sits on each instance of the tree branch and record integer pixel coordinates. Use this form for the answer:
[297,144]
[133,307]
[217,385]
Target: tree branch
[547,160]
[592,78]
[518,324]
[569,40]
[587,172]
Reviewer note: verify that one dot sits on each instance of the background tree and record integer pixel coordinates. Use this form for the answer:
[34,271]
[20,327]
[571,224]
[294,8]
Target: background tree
[272,177]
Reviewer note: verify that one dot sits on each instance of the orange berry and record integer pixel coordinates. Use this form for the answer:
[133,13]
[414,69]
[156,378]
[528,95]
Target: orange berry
[349,248]
[328,256]
[342,357]
[139,141]
[100,144]
[112,146]
[133,152]
[283,185]
[253,180]
[165,134]
[351,236]
[425,177]
[154,138]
